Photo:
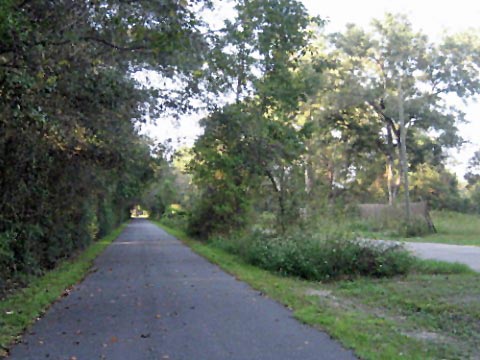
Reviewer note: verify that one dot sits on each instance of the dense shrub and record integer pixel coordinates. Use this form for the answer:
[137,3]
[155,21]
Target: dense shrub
[7,255]
[106,218]
[175,217]
[319,257]
[219,211]
[416,227]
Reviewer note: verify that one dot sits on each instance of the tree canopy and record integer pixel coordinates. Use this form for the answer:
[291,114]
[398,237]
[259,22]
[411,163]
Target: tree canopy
[72,161]
[376,79]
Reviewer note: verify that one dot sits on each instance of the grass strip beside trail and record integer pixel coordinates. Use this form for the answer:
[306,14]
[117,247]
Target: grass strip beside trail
[21,309]
[419,316]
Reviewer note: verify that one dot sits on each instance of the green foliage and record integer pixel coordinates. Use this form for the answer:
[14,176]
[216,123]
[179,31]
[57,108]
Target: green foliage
[219,210]
[255,142]
[225,168]
[415,227]
[7,254]
[318,257]
[106,217]
[438,187]
[242,152]
[358,99]
[473,180]
[474,197]
[435,267]
[175,217]
[72,162]
[170,184]
[452,228]
[387,226]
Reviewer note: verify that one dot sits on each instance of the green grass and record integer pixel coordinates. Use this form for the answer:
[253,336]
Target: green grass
[436,267]
[21,309]
[452,228]
[429,315]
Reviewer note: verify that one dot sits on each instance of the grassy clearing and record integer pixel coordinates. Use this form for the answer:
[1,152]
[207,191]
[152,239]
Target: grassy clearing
[420,316]
[21,309]
[452,228]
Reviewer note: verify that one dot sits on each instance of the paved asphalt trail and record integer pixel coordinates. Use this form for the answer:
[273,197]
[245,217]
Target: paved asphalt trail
[468,255]
[153,298]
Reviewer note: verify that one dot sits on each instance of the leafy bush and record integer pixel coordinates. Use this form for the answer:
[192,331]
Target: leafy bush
[319,257]
[415,228]
[175,217]
[7,255]
[106,219]
[438,187]
[219,212]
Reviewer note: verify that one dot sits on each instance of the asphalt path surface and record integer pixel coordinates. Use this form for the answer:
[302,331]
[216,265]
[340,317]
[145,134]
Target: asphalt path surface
[468,255]
[150,297]
[463,254]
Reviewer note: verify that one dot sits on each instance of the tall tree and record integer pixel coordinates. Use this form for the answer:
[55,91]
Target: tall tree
[257,138]
[394,77]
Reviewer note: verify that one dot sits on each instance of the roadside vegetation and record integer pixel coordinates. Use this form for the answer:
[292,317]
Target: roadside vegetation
[20,309]
[317,125]
[357,118]
[72,161]
[317,256]
[430,313]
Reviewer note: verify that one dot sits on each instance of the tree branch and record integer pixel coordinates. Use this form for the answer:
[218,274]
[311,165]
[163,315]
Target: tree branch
[114,46]
[272,179]
[388,119]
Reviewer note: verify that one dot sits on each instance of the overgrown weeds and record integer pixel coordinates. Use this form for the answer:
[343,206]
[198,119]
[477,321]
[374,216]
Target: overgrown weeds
[333,247]
[387,227]
[323,256]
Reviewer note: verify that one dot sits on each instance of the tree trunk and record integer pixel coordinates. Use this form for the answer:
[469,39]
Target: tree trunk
[308,174]
[241,75]
[403,150]
[283,216]
[280,191]
[390,166]
[331,182]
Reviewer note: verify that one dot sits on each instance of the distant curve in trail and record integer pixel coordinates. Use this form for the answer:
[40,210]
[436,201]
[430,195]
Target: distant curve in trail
[151,297]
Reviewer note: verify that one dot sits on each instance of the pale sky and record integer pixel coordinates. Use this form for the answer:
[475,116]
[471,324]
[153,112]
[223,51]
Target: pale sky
[432,17]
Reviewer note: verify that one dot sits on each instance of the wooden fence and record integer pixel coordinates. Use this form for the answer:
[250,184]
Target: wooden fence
[381,212]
